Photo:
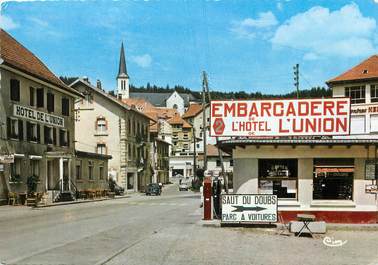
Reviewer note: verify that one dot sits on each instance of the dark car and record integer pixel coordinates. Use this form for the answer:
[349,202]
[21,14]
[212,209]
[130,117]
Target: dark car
[153,188]
[114,187]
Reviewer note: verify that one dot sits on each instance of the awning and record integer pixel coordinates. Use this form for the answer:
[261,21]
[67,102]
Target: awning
[334,169]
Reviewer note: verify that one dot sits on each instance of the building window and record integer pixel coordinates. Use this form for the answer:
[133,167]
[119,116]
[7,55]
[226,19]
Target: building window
[129,126]
[374,93]
[50,102]
[34,166]
[40,98]
[333,179]
[15,175]
[15,128]
[48,135]
[101,125]
[356,94]
[32,132]
[90,170]
[218,163]
[278,177]
[63,138]
[198,145]
[78,169]
[130,181]
[231,162]
[101,149]
[101,171]
[15,90]
[357,124]
[374,123]
[32,96]
[65,107]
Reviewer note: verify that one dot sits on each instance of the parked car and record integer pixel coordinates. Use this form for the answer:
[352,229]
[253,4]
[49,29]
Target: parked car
[183,186]
[153,188]
[114,187]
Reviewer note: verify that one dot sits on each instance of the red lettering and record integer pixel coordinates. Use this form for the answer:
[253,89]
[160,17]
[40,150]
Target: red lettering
[340,105]
[277,112]
[229,109]
[280,127]
[301,111]
[253,111]
[265,107]
[314,108]
[290,109]
[215,107]
[242,109]
[328,107]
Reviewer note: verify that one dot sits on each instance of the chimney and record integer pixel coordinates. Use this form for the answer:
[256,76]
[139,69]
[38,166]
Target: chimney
[98,84]
[86,79]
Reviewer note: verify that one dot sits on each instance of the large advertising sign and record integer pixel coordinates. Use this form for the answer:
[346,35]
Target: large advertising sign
[249,208]
[289,117]
[39,116]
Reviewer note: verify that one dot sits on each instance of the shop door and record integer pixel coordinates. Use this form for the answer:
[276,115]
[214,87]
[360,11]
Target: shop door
[66,181]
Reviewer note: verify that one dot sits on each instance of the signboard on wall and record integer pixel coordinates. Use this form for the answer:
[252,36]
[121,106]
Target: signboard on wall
[38,116]
[291,117]
[249,208]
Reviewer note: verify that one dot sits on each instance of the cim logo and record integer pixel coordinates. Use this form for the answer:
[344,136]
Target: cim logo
[218,126]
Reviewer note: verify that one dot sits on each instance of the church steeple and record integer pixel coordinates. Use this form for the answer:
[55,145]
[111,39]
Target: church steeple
[122,77]
[122,70]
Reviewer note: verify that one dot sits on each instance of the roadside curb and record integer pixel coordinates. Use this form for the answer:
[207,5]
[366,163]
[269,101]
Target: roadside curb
[83,201]
[330,227]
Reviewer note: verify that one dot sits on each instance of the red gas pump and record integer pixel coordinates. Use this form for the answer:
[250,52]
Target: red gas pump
[207,211]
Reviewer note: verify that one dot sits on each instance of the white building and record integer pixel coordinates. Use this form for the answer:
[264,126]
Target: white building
[360,83]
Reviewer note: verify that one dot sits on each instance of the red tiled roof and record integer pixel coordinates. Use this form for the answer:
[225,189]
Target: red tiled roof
[192,111]
[367,69]
[140,104]
[212,150]
[180,121]
[17,56]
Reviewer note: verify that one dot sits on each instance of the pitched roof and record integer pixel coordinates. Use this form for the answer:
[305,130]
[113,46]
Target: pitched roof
[122,70]
[177,120]
[106,95]
[166,113]
[193,110]
[140,104]
[17,56]
[212,150]
[368,69]
[159,99]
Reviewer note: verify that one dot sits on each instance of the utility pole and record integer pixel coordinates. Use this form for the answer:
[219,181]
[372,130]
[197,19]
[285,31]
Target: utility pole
[194,154]
[296,78]
[205,87]
[224,175]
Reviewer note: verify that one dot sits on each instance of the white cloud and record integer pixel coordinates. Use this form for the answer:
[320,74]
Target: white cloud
[376,1]
[279,6]
[250,27]
[39,22]
[321,32]
[7,23]
[143,61]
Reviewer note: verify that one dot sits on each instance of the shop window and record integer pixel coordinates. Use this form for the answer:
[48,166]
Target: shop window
[78,169]
[15,90]
[32,96]
[32,132]
[374,123]
[101,125]
[34,166]
[15,174]
[40,98]
[357,124]
[50,102]
[101,171]
[278,177]
[101,149]
[333,179]
[48,135]
[63,138]
[356,94]
[65,107]
[374,93]
[90,170]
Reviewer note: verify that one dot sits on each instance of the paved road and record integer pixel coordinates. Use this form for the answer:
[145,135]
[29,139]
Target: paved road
[160,230]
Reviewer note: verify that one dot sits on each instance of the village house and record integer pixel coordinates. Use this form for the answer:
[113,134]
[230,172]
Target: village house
[107,125]
[37,127]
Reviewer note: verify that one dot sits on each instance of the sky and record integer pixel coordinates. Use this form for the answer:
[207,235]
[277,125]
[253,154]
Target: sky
[249,45]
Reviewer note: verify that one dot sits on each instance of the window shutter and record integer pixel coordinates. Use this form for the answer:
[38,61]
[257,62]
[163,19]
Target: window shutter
[9,128]
[38,133]
[21,130]
[54,136]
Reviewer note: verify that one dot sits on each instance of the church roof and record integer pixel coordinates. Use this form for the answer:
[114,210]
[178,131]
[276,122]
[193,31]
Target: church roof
[159,99]
[122,70]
